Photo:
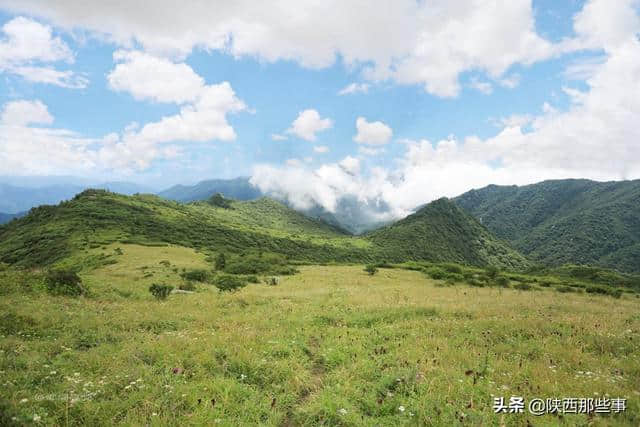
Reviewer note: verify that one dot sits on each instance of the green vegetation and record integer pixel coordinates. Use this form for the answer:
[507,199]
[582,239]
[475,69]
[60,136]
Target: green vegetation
[564,222]
[442,232]
[256,237]
[160,291]
[228,282]
[371,269]
[64,282]
[328,346]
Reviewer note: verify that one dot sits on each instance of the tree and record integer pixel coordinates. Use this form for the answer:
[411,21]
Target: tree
[221,261]
[371,269]
[220,201]
[161,292]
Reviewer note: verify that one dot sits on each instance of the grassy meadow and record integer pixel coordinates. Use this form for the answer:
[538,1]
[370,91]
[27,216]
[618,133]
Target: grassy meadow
[331,345]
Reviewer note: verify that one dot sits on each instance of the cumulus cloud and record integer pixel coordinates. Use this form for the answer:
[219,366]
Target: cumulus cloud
[424,43]
[23,112]
[596,138]
[481,86]
[26,46]
[321,149]
[372,133]
[308,123]
[147,77]
[354,88]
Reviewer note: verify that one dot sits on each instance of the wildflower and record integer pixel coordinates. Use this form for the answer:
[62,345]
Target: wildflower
[24,400]
[52,373]
[401,408]
[242,377]
[154,414]
[36,418]
[342,411]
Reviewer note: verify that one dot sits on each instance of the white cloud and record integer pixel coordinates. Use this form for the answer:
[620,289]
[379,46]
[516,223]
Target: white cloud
[370,151]
[510,82]
[25,45]
[148,77]
[354,88]
[278,137]
[308,123]
[372,133]
[481,86]
[351,165]
[595,138]
[424,43]
[321,149]
[21,113]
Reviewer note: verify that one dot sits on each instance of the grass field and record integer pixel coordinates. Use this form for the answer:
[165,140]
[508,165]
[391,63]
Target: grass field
[328,346]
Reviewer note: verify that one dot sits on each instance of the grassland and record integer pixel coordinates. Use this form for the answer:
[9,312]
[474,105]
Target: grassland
[328,346]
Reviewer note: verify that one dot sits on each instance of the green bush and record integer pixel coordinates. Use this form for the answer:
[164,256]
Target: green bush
[253,279]
[565,289]
[221,261]
[198,275]
[454,277]
[503,282]
[272,281]
[451,268]
[160,291]
[492,271]
[226,282]
[522,286]
[435,273]
[259,264]
[476,282]
[64,282]
[371,269]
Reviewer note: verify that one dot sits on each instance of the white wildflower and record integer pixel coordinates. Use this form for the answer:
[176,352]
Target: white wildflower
[342,411]
[401,408]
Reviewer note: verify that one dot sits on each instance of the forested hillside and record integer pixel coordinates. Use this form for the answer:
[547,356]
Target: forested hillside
[564,221]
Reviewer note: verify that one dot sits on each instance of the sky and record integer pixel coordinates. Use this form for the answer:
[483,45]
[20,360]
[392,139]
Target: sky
[391,103]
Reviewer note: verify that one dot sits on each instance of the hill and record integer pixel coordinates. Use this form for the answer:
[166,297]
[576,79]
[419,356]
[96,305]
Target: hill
[96,218]
[5,217]
[237,188]
[18,198]
[564,221]
[441,231]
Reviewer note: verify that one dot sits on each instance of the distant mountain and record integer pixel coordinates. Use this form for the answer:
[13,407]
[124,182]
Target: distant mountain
[564,221]
[5,217]
[441,231]
[237,188]
[14,198]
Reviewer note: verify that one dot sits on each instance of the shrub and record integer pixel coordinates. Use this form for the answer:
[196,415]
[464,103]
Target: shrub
[219,201]
[197,275]
[253,279]
[226,282]
[492,271]
[435,273]
[272,281]
[160,291]
[371,269]
[452,268]
[221,261]
[454,277]
[64,282]
[564,289]
[522,286]
[187,286]
[475,282]
[259,264]
[503,282]
[597,290]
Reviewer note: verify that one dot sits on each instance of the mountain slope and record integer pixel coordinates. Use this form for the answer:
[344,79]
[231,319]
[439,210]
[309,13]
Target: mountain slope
[564,221]
[95,218]
[441,231]
[237,188]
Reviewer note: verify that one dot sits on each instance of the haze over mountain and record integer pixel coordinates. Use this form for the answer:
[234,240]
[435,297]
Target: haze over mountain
[564,221]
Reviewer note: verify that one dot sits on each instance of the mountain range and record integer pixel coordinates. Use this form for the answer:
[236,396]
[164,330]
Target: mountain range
[551,223]
[564,221]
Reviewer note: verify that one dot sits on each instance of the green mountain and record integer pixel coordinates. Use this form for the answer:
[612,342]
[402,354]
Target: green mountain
[237,188]
[564,221]
[94,218]
[441,231]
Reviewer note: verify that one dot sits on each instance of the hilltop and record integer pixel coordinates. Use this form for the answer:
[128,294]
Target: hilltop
[53,234]
[564,221]
[441,231]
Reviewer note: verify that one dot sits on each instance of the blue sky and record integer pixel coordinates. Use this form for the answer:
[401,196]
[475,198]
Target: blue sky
[502,103]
